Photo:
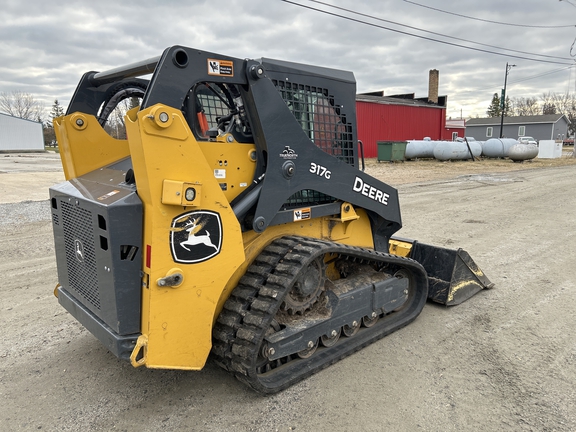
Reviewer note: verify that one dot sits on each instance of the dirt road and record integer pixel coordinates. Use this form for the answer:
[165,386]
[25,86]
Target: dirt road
[503,361]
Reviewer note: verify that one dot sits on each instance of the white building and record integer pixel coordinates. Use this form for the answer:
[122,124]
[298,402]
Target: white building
[17,134]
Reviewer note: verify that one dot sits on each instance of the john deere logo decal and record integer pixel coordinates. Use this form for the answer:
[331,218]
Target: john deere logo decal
[79,250]
[195,236]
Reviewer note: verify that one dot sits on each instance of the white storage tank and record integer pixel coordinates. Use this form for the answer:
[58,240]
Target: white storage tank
[457,150]
[497,147]
[521,152]
[420,149]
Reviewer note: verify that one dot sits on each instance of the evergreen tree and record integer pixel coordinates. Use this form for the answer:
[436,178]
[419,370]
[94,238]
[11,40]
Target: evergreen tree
[494,108]
[49,134]
[508,111]
[57,110]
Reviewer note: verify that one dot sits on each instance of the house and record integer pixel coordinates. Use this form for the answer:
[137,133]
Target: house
[400,117]
[455,128]
[541,127]
[17,134]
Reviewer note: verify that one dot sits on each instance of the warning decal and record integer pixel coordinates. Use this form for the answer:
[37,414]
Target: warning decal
[220,67]
[302,214]
[108,195]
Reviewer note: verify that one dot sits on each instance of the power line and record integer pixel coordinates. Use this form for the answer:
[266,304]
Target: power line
[569,2]
[518,81]
[434,33]
[423,37]
[541,75]
[490,21]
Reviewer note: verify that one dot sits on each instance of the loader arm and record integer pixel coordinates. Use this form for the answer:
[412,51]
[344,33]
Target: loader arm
[307,166]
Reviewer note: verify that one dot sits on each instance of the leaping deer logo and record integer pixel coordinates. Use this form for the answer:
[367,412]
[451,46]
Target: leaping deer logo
[196,236]
[79,250]
[194,239]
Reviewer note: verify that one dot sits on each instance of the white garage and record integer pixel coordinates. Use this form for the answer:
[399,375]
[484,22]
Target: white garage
[17,134]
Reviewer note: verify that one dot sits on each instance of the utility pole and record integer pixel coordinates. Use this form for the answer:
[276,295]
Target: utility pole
[503,99]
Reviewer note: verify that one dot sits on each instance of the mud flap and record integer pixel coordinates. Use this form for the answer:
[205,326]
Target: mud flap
[453,276]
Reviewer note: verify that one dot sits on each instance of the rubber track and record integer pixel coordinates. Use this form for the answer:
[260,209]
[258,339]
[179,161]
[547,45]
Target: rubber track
[248,313]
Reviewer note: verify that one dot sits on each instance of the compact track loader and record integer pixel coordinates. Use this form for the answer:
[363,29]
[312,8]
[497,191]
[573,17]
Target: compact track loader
[234,220]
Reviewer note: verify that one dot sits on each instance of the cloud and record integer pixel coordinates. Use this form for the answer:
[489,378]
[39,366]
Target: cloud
[45,48]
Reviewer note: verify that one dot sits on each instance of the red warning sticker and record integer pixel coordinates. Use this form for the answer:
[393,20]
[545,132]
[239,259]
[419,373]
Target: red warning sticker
[220,67]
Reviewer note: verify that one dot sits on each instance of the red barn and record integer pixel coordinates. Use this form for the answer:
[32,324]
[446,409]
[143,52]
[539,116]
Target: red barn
[401,117]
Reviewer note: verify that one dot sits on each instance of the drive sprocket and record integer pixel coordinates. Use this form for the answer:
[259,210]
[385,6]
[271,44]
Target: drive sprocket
[307,289]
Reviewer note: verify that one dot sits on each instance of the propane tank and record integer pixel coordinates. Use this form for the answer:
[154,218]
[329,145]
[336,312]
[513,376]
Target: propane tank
[521,152]
[497,147]
[420,149]
[457,150]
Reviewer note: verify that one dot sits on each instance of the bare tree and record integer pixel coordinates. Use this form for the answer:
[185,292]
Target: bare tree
[512,107]
[21,104]
[532,106]
[565,103]
[525,106]
[548,108]
[115,126]
[547,102]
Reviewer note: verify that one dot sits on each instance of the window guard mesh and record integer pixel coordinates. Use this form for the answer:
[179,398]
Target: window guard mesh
[313,108]
[315,111]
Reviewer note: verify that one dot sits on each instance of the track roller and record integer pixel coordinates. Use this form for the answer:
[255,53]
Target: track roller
[285,319]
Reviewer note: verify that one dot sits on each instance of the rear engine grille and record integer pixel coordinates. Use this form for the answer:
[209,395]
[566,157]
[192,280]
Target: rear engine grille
[80,253]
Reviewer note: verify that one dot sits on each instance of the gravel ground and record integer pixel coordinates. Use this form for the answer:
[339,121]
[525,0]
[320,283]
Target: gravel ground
[503,361]
[27,176]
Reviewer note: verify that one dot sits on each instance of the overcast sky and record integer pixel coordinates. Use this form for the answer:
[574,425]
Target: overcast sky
[45,47]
